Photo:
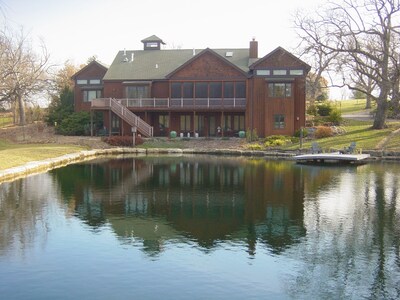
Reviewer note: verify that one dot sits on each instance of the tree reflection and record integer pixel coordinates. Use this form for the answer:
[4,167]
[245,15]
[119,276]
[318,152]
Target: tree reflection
[353,239]
[23,214]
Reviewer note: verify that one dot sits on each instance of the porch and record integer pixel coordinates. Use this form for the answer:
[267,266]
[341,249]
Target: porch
[175,103]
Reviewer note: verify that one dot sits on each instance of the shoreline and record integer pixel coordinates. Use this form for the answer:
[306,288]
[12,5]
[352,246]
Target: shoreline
[36,167]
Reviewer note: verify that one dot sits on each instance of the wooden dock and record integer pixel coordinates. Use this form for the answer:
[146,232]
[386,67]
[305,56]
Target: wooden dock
[334,158]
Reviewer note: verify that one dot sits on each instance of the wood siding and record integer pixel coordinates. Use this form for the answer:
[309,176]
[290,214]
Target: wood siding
[91,71]
[208,67]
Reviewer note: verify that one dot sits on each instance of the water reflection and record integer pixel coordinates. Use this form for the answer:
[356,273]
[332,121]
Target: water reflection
[207,200]
[333,232]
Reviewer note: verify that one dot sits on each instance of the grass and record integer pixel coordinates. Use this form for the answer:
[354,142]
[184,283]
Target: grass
[350,106]
[162,144]
[356,131]
[5,119]
[13,155]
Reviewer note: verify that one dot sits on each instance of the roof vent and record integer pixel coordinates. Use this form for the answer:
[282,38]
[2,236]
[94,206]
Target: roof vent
[229,54]
[194,52]
[132,56]
[125,59]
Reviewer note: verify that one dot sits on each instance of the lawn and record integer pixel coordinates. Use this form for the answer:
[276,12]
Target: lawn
[356,131]
[5,119]
[350,106]
[12,155]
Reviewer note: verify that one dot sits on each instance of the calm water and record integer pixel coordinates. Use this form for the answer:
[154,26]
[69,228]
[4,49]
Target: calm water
[201,228]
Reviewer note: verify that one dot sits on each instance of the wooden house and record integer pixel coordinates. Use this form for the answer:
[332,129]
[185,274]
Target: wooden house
[208,92]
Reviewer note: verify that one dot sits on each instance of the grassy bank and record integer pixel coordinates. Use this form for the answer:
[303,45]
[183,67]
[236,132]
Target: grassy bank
[12,155]
[361,133]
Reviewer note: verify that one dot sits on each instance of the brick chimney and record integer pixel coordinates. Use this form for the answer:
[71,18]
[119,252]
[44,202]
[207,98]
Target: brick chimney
[253,49]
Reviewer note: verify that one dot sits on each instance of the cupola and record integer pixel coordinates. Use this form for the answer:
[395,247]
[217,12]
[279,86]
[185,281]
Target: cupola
[152,43]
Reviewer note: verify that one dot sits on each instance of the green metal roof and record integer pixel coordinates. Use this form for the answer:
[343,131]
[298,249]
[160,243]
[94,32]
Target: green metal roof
[157,64]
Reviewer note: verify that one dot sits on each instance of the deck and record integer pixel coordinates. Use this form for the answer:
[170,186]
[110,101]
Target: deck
[336,157]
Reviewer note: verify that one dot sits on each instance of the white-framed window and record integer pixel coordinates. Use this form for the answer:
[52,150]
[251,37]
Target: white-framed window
[81,81]
[263,72]
[296,72]
[279,72]
[94,81]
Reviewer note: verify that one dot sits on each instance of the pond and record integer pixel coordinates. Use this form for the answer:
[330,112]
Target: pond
[201,227]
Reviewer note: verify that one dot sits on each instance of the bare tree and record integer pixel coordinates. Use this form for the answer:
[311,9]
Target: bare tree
[363,32]
[23,72]
[312,50]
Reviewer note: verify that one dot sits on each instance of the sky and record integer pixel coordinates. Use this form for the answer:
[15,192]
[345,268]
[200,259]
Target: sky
[78,29]
[75,30]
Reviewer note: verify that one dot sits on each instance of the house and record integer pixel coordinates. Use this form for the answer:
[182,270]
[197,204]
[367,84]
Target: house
[208,92]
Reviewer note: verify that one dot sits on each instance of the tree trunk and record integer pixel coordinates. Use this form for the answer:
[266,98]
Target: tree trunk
[21,108]
[381,109]
[368,104]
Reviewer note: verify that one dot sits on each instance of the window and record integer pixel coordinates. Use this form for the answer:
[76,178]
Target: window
[263,72]
[229,91]
[185,122]
[227,122]
[278,72]
[280,90]
[151,44]
[176,90]
[115,122]
[81,81]
[201,90]
[238,123]
[89,95]
[240,89]
[188,90]
[279,121]
[137,91]
[163,124]
[163,120]
[296,72]
[94,81]
[215,90]
[199,123]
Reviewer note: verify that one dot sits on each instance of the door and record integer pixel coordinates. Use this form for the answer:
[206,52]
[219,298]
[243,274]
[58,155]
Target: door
[211,126]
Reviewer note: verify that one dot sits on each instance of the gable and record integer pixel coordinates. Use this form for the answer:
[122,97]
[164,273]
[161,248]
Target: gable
[93,69]
[207,65]
[280,58]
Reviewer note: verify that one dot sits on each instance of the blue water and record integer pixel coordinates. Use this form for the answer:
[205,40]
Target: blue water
[201,228]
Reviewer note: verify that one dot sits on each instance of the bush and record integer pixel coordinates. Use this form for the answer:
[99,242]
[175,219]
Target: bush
[254,147]
[251,136]
[312,110]
[335,117]
[305,133]
[324,109]
[75,124]
[276,140]
[323,131]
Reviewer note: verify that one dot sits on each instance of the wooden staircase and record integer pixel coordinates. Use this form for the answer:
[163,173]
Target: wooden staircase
[125,114]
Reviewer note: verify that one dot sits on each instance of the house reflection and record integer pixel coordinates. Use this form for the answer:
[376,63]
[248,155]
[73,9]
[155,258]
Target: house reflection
[203,199]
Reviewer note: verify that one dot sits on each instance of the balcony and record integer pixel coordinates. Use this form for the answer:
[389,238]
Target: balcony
[177,104]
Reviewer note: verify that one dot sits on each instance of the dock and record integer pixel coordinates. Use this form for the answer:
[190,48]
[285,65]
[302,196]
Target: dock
[334,158]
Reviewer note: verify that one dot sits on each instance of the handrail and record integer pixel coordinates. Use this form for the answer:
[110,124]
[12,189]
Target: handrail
[124,113]
[183,102]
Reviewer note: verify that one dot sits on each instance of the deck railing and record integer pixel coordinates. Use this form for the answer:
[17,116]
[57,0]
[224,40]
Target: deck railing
[124,113]
[211,103]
